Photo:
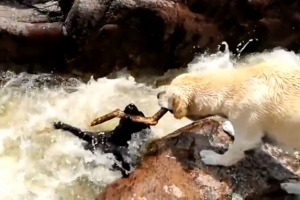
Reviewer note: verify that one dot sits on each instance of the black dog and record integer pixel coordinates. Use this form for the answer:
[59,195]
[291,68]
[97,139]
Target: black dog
[115,141]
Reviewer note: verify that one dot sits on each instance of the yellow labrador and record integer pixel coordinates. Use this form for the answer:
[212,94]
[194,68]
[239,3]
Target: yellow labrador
[259,101]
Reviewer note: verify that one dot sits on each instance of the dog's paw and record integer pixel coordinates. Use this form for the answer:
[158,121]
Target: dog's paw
[57,125]
[210,157]
[291,188]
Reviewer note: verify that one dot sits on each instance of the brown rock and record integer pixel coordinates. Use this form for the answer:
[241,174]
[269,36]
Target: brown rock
[30,35]
[174,171]
[102,36]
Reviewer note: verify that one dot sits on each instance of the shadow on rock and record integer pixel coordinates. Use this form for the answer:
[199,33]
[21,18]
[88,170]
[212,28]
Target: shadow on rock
[173,170]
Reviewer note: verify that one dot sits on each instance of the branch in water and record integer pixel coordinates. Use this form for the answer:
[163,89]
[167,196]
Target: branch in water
[120,114]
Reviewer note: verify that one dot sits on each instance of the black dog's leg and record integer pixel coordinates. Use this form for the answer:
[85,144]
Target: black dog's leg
[118,152]
[125,166]
[84,135]
[123,172]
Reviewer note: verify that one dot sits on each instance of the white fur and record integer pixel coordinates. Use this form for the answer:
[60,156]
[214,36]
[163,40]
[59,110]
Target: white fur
[227,126]
[259,100]
[291,188]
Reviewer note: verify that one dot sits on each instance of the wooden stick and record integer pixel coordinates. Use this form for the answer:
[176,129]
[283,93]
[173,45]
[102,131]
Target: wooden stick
[120,114]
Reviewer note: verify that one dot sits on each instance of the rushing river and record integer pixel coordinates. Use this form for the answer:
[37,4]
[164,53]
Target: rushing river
[39,163]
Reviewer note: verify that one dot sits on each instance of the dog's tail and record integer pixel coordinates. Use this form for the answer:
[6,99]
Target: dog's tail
[84,135]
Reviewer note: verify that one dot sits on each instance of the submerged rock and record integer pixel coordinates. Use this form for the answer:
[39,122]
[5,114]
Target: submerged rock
[103,36]
[174,170]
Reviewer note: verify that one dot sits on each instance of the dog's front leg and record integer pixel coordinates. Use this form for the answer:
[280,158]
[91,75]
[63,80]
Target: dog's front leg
[84,135]
[243,141]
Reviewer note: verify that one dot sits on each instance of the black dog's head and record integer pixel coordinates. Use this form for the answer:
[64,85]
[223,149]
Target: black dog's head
[126,127]
[131,109]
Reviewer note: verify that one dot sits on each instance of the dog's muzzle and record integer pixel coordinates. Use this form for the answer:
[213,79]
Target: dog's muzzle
[159,95]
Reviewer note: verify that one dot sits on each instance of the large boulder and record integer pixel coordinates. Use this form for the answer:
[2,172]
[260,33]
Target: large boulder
[101,36]
[173,170]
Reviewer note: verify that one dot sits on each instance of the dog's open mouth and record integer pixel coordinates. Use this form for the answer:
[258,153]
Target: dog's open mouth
[171,111]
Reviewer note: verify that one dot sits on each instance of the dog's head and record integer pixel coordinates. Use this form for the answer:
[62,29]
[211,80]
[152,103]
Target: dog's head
[126,125]
[131,109]
[175,101]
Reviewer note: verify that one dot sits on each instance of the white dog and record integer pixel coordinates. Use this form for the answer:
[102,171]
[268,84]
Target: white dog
[259,101]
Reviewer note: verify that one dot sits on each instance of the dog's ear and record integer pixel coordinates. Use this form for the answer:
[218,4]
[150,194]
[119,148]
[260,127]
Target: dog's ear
[179,107]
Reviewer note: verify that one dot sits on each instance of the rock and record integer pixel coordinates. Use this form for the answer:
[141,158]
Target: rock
[30,35]
[173,170]
[103,36]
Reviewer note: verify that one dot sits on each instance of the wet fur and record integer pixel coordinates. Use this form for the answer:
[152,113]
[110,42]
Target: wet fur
[261,101]
[115,141]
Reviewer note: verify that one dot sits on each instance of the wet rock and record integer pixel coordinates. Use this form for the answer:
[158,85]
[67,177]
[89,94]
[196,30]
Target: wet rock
[173,170]
[103,36]
[30,34]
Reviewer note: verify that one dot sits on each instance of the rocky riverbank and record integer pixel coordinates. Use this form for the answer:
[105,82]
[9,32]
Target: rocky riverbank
[98,37]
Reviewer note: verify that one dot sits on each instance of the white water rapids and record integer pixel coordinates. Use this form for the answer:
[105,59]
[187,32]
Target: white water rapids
[39,163]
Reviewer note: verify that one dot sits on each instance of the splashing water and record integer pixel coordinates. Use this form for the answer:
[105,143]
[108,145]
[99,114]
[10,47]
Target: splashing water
[38,162]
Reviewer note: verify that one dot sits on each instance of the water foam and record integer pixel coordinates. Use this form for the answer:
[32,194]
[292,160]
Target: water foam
[38,162]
